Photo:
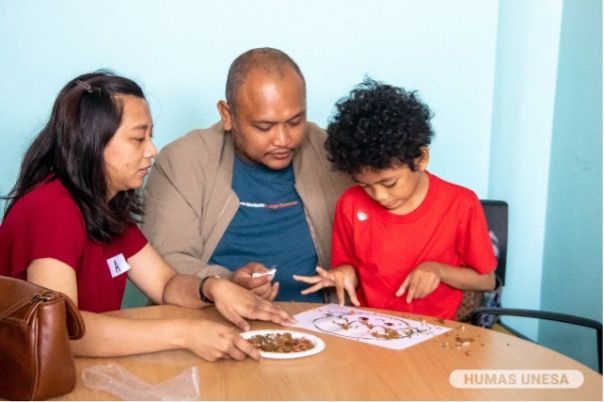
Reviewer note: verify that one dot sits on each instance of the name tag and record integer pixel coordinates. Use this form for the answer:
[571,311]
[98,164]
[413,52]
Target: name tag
[117,265]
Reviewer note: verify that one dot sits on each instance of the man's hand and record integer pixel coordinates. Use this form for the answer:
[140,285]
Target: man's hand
[344,278]
[261,286]
[237,304]
[422,281]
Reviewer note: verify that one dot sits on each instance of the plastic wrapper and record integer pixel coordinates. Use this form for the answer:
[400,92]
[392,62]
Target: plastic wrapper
[118,381]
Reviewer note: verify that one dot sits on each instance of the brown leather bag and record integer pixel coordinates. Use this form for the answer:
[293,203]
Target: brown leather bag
[35,326]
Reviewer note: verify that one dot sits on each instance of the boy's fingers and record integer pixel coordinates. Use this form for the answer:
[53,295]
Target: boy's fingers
[340,293]
[328,277]
[420,290]
[410,294]
[411,291]
[324,274]
[353,295]
[307,279]
[312,289]
[403,288]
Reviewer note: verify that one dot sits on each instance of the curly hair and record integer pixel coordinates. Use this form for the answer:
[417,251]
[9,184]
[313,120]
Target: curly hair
[376,126]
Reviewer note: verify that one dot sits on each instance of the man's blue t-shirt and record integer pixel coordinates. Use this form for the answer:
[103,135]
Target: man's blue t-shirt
[270,228]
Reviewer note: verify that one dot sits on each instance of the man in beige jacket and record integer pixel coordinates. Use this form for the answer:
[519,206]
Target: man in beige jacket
[251,192]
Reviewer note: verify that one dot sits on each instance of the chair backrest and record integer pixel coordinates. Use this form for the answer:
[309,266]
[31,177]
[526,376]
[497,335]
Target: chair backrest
[496,213]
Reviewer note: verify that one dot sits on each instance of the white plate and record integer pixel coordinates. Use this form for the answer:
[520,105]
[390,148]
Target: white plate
[316,341]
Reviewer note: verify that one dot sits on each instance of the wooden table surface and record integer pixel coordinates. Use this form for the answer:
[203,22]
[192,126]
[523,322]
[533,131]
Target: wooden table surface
[349,370]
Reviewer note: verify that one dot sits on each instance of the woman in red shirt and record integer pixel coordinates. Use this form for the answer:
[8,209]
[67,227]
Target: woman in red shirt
[70,225]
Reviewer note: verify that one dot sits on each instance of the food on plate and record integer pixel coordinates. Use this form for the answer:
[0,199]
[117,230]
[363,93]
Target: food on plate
[280,342]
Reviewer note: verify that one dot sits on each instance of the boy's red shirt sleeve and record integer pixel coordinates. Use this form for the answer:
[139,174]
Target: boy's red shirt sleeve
[475,245]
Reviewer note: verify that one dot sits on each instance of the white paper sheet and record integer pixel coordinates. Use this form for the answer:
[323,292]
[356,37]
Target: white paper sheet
[367,326]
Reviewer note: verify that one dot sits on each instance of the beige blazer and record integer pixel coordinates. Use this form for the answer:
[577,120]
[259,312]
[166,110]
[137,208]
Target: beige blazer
[189,201]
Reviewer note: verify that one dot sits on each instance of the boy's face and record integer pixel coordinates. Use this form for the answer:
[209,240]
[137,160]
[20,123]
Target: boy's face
[397,188]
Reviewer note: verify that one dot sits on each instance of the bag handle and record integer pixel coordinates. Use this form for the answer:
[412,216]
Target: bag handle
[18,293]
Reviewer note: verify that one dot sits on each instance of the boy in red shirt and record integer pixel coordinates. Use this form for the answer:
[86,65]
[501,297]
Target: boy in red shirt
[403,238]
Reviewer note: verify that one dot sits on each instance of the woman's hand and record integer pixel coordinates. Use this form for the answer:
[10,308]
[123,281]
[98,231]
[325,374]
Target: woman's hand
[344,278]
[237,304]
[213,341]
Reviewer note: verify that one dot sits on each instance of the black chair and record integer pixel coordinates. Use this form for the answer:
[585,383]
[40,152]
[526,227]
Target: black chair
[496,213]
[544,315]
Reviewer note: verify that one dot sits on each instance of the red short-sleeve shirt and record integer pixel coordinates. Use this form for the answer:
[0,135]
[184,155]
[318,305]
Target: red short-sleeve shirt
[47,223]
[448,227]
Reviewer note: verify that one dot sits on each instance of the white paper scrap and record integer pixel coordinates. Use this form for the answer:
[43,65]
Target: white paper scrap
[259,274]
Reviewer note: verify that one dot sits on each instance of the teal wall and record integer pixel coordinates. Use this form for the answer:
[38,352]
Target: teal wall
[572,269]
[502,77]
[546,161]
[523,110]
[180,51]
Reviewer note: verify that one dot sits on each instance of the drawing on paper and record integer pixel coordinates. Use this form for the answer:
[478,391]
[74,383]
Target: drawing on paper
[367,326]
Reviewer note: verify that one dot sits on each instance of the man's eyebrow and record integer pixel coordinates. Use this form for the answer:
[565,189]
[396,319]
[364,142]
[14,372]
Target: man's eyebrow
[302,113]
[261,121]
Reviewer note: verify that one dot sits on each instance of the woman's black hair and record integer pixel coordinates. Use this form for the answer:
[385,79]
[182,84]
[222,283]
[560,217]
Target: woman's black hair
[375,126]
[84,117]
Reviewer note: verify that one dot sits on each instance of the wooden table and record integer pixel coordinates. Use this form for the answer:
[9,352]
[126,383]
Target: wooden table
[348,370]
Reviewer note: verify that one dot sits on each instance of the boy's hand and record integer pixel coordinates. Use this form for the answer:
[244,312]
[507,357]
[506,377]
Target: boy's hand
[344,278]
[422,281]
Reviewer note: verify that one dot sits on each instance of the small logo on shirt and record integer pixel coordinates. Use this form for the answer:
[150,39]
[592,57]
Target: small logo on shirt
[362,216]
[117,265]
[269,206]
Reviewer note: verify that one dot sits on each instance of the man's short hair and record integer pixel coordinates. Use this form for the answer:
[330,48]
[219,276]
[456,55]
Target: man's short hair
[271,61]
